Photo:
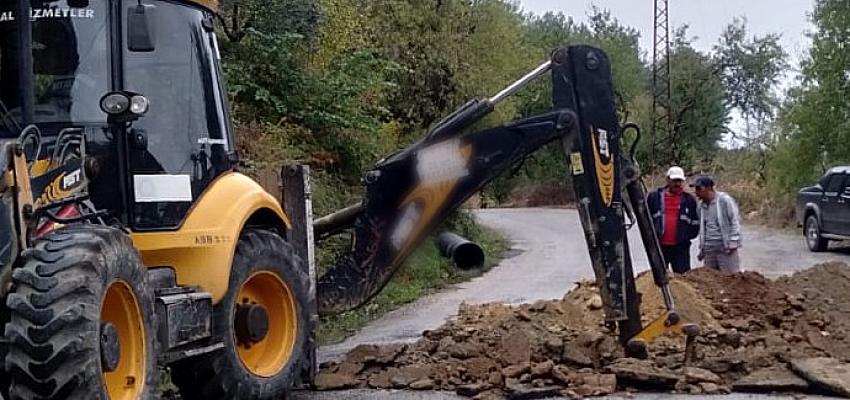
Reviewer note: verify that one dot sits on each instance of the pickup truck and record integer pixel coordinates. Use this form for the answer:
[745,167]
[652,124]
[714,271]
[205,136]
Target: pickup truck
[823,210]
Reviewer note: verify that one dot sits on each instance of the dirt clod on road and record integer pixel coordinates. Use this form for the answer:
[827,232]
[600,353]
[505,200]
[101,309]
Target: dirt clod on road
[757,334]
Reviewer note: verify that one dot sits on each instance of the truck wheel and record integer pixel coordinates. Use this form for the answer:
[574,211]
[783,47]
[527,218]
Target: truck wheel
[263,322]
[813,235]
[82,319]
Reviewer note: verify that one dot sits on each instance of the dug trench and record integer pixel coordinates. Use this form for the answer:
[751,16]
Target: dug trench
[790,335]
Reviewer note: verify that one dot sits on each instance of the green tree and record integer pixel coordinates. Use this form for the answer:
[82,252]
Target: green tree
[815,121]
[699,113]
[751,68]
[425,39]
[699,116]
[545,33]
[449,52]
[492,55]
[300,17]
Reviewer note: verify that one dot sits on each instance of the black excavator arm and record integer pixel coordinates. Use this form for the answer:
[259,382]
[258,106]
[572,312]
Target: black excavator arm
[409,193]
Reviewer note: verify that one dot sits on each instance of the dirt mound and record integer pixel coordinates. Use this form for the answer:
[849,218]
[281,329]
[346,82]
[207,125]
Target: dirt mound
[753,328]
[748,293]
[823,293]
[690,303]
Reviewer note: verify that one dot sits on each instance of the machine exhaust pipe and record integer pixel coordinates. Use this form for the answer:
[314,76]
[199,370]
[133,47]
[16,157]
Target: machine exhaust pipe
[465,254]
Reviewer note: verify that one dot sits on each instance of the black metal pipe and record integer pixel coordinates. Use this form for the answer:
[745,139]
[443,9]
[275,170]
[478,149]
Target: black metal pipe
[464,253]
[342,219]
[25,64]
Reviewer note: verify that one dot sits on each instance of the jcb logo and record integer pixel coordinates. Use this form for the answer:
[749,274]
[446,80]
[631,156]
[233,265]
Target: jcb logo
[71,180]
[604,165]
[61,187]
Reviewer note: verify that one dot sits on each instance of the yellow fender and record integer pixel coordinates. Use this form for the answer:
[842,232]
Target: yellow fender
[201,251]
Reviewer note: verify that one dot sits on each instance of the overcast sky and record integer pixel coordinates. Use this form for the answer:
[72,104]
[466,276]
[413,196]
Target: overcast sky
[706,18]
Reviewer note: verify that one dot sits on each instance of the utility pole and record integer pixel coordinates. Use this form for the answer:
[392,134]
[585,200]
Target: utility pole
[662,121]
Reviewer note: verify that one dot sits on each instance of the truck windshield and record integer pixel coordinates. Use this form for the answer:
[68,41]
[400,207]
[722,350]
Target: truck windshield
[70,47]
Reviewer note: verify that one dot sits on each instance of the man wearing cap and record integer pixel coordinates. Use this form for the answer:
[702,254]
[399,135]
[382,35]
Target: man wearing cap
[676,219]
[720,223]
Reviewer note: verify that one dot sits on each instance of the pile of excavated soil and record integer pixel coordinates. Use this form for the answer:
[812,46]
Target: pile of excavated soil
[757,335]
[824,295]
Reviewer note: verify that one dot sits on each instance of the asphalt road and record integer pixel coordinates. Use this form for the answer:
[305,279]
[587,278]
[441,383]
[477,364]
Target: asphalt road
[548,255]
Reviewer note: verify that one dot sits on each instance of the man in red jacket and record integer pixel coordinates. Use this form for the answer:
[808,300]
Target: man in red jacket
[674,214]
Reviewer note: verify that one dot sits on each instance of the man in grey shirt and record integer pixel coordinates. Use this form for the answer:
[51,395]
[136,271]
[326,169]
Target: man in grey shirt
[720,227]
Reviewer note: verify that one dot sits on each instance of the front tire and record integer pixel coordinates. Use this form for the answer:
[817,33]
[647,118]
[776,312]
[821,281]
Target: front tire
[265,273]
[814,239]
[82,319]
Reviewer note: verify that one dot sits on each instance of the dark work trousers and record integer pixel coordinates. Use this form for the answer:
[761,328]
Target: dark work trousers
[678,256]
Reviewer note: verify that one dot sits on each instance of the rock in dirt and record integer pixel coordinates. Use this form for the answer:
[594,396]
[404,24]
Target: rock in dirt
[712,388]
[424,384]
[523,315]
[554,345]
[526,392]
[381,380]
[826,373]
[334,381]
[369,353]
[495,378]
[644,372]
[516,348]
[772,379]
[542,369]
[595,303]
[463,350]
[492,394]
[731,337]
[408,374]
[479,368]
[561,375]
[470,389]
[350,368]
[576,355]
[514,371]
[595,384]
[588,339]
[697,375]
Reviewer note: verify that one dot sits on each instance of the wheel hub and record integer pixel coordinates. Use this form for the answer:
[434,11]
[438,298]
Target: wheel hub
[252,323]
[110,347]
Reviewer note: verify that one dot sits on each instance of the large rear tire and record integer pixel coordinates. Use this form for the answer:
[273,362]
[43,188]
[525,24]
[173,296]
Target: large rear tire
[82,319]
[265,273]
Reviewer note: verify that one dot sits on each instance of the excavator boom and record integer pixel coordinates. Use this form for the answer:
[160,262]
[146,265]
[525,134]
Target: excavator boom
[409,193]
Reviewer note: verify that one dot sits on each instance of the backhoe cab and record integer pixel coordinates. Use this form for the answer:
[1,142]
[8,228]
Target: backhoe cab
[129,241]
